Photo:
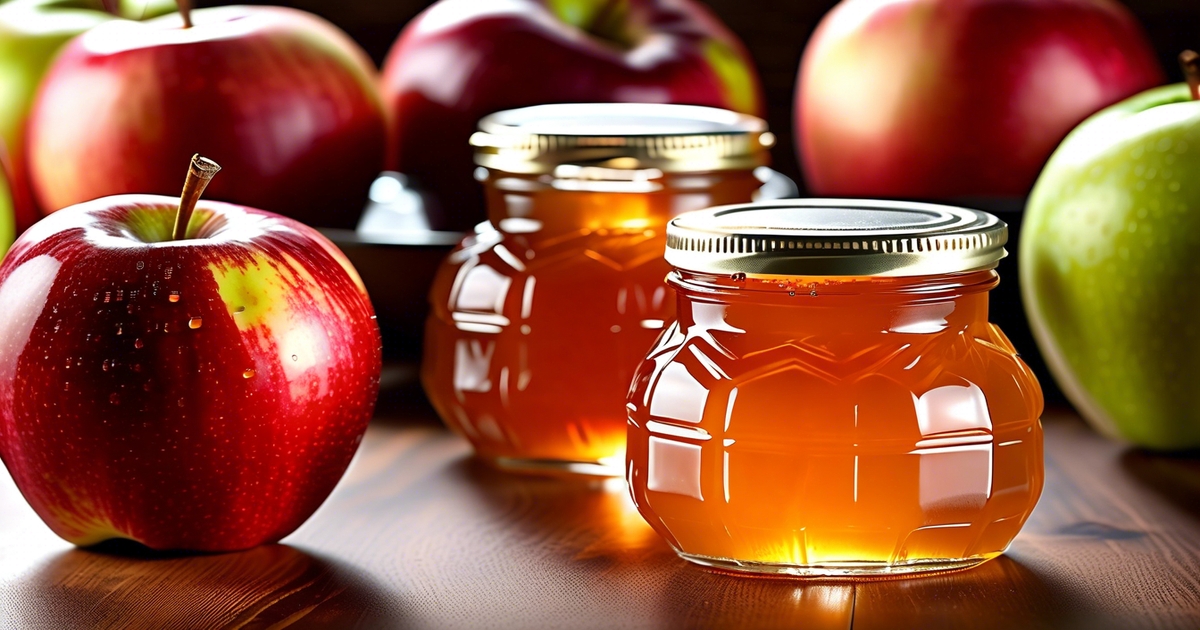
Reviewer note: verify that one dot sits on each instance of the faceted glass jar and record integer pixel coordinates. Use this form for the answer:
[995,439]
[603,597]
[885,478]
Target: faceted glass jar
[835,425]
[539,319]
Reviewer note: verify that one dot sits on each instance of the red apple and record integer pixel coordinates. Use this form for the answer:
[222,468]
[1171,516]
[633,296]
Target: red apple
[278,96]
[950,98]
[463,59]
[202,394]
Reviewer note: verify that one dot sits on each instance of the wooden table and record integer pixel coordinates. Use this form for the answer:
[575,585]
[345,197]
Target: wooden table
[420,535]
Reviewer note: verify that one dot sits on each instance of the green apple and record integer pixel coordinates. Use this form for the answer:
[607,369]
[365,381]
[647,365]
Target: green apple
[7,217]
[1110,268]
[31,33]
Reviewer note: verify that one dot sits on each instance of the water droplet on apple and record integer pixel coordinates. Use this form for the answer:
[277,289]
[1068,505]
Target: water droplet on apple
[739,277]
[137,343]
[240,309]
[248,374]
[114,398]
[57,325]
[195,323]
[67,386]
[174,297]
[107,297]
[120,329]
[295,358]
[137,367]
[166,326]
[107,364]
[181,402]
[167,273]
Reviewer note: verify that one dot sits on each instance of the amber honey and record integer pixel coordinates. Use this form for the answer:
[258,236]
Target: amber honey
[834,425]
[539,319]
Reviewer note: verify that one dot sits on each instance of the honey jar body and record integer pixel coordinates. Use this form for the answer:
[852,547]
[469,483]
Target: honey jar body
[539,318]
[835,425]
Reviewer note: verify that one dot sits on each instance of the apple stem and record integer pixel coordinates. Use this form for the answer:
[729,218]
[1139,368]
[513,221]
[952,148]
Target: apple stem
[1190,61]
[199,174]
[185,10]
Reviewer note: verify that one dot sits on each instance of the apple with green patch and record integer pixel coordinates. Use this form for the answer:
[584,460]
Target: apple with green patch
[188,380]
[281,97]
[1110,266]
[31,34]
[463,59]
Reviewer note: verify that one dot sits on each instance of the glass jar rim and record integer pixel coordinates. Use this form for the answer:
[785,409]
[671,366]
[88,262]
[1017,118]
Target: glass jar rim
[836,237]
[668,137]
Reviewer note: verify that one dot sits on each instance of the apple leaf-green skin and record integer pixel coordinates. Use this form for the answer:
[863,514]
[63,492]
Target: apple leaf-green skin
[7,216]
[1110,268]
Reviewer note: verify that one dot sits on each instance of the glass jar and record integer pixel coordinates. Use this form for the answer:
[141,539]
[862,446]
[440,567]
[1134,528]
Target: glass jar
[539,318]
[832,400]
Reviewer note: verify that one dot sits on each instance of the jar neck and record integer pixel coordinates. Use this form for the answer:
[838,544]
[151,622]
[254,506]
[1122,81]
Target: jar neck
[608,199]
[785,306]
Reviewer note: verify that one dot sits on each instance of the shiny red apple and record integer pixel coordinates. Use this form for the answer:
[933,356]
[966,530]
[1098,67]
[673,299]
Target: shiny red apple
[463,59]
[951,98]
[278,96]
[203,394]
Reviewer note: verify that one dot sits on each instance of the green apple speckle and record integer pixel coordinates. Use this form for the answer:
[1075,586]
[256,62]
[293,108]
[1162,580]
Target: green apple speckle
[1110,268]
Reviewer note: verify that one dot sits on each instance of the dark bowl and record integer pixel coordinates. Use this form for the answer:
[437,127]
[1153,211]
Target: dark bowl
[397,270]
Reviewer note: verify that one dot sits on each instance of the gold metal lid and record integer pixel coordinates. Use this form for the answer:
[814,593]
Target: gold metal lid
[836,237]
[670,138]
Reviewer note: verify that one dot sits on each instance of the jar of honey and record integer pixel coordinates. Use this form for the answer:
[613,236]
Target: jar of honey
[832,400]
[539,318]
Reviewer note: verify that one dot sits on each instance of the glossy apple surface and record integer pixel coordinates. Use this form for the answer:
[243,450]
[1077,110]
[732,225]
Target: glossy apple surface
[942,99]
[31,33]
[462,59]
[202,394]
[278,96]
[1109,268]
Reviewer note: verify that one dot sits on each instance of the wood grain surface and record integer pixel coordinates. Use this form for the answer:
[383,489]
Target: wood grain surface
[420,535]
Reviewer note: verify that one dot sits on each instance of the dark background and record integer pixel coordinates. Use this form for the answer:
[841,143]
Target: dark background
[774,31]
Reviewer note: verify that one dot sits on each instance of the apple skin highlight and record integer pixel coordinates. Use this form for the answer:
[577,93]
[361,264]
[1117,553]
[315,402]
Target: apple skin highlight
[203,394]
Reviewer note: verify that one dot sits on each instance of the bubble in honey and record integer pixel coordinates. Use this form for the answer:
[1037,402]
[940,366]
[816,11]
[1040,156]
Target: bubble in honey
[195,323]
